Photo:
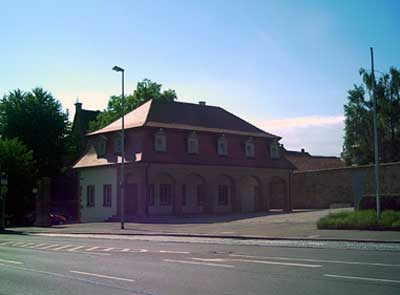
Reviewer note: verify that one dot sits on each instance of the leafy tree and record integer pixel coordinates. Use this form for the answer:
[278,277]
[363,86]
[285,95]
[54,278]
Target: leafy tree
[17,161]
[36,118]
[145,91]
[358,141]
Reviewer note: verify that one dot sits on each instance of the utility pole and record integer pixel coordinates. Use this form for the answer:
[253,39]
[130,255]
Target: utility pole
[376,154]
[3,191]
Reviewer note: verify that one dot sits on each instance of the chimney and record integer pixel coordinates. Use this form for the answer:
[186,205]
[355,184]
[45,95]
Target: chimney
[202,103]
[78,106]
[303,151]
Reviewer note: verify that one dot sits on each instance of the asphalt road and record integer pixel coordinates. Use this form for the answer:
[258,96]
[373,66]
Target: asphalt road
[72,265]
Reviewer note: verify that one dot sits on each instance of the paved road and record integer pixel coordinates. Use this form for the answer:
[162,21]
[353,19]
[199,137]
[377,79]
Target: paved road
[72,265]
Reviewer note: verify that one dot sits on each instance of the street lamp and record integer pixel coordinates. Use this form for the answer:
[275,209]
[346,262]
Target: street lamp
[122,183]
[376,154]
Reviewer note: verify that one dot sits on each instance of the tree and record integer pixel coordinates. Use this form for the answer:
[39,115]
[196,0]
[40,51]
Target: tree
[358,140]
[17,161]
[145,91]
[36,118]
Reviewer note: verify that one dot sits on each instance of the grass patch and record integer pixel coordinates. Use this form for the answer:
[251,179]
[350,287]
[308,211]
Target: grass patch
[362,219]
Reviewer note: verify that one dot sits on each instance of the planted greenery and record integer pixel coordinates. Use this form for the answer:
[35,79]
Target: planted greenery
[362,219]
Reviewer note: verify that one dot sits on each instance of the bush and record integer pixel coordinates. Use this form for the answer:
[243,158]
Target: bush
[362,219]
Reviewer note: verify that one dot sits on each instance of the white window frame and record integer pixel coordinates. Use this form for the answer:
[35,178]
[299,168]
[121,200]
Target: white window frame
[101,146]
[160,141]
[193,143]
[222,140]
[250,148]
[274,150]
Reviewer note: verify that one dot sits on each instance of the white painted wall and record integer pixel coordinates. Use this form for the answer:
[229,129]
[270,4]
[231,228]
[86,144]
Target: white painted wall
[98,176]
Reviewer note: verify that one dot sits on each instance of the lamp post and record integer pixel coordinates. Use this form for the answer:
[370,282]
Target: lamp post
[3,191]
[122,182]
[376,154]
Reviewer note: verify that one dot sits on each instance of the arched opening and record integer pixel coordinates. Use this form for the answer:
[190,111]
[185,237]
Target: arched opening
[278,198]
[194,194]
[224,200]
[161,195]
[250,194]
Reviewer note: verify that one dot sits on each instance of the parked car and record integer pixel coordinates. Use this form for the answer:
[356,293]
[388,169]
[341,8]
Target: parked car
[57,219]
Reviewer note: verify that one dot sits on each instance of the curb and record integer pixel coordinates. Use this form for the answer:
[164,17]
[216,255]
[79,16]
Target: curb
[236,237]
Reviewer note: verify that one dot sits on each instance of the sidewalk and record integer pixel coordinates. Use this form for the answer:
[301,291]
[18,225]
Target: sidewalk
[301,224]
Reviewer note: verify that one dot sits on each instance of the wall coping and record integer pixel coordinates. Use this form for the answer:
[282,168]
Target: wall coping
[348,168]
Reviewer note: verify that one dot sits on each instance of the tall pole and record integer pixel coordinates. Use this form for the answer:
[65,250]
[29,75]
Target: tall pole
[123,154]
[376,154]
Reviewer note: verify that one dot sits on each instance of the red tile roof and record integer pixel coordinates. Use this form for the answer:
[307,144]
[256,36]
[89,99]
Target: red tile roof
[190,116]
[304,161]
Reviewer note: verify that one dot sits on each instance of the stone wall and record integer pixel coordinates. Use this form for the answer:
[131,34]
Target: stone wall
[322,188]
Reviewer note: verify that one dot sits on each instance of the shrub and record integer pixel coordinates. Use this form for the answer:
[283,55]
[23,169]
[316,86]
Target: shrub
[362,219]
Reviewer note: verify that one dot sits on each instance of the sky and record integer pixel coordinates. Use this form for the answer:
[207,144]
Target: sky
[285,66]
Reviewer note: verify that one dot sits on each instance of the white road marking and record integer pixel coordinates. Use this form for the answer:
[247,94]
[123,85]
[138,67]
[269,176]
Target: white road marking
[15,244]
[137,250]
[198,263]
[62,247]
[48,247]
[92,248]
[108,249]
[11,261]
[173,252]
[67,277]
[362,279]
[6,243]
[316,260]
[125,250]
[259,261]
[37,245]
[278,263]
[101,276]
[75,248]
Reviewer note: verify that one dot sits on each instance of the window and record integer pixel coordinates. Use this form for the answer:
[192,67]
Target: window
[118,143]
[160,141]
[193,143]
[107,196]
[274,150]
[151,195]
[101,146]
[183,195]
[90,196]
[250,148]
[222,146]
[223,195]
[165,194]
[200,195]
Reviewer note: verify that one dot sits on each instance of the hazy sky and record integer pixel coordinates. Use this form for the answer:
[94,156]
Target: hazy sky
[284,65]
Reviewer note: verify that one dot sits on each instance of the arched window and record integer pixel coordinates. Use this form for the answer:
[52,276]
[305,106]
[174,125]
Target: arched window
[222,146]
[193,143]
[275,150]
[160,141]
[250,148]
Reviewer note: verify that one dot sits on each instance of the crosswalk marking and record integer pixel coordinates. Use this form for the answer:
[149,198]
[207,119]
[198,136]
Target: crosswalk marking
[82,248]
[75,248]
[62,247]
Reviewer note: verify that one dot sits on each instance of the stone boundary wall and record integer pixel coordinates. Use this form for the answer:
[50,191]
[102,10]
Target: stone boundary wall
[320,189]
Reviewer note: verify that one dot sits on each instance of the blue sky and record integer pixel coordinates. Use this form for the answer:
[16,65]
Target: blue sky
[284,65]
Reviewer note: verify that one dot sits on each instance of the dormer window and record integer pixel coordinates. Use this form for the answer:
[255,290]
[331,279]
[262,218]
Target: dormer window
[193,143]
[222,146]
[160,141]
[101,146]
[275,150]
[250,148]
[118,143]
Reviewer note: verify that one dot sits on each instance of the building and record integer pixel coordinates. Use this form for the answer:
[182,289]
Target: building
[80,126]
[182,158]
[304,161]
